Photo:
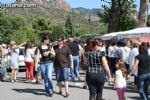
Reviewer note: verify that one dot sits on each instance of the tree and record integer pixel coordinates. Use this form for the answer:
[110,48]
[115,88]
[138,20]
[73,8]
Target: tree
[18,21]
[143,14]
[117,15]
[5,28]
[69,28]
[41,25]
[81,31]
[57,31]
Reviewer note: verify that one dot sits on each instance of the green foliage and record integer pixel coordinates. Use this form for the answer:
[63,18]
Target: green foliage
[16,28]
[19,36]
[81,31]
[42,25]
[124,8]
[126,23]
[103,30]
[69,28]
[5,28]
[18,21]
[57,31]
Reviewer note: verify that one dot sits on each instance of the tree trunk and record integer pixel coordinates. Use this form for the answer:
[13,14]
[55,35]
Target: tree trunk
[143,14]
[113,17]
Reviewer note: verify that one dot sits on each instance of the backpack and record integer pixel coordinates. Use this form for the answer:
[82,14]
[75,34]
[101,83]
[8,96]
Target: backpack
[84,61]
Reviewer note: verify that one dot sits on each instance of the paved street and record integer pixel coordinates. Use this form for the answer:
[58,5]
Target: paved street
[27,91]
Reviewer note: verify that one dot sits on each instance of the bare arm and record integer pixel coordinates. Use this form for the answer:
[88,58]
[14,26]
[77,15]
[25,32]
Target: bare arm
[71,61]
[52,52]
[106,67]
[37,58]
[115,80]
[134,67]
[17,46]
[2,49]
[81,51]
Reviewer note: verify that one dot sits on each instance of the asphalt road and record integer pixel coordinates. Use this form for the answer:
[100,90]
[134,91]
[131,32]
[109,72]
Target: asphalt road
[27,91]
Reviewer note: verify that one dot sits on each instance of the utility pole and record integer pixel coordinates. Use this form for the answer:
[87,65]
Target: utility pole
[89,23]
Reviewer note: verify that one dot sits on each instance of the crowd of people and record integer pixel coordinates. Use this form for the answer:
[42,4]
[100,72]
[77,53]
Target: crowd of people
[103,60]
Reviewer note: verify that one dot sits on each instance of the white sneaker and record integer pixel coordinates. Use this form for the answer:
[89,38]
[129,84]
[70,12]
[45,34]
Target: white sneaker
[33,81]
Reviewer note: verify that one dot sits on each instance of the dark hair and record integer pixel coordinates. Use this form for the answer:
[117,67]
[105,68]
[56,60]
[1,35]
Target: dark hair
[148,44]
[143,48]
[60,37]
[28,45]
[45,37]
[95,42]
[113,42]
[89,41]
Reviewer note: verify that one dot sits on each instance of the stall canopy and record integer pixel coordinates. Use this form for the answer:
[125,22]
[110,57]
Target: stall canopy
[134,33]
[140,39]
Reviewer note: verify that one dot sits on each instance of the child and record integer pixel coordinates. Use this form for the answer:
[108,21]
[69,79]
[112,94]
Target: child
[120,81]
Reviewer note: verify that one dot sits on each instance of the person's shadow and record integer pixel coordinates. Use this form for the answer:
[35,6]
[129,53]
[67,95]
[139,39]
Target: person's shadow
[34,91]
[31,90]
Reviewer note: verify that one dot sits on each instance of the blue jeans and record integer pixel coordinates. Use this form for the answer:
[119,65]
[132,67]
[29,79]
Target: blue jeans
[62,74]
[47,70]
[75,69]
[143,82]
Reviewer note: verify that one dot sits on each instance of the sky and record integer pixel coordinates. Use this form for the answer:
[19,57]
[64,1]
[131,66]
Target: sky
[80,3]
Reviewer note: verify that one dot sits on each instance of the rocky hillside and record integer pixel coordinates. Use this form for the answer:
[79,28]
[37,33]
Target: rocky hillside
[59,4]
[57,11]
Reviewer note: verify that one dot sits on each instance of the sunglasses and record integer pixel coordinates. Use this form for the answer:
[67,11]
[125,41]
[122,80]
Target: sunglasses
[59,40]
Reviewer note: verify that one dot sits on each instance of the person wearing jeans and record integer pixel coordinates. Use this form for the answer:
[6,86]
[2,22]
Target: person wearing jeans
[75,70]
[46,63]
[142,62]
[143,83]
[47,70]
[63,60]
[74,47]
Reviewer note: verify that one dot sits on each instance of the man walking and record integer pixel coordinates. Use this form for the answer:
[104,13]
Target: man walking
[63,60]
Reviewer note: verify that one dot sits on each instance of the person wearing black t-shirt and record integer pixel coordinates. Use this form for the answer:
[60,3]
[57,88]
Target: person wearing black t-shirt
[142,61]
[74,47]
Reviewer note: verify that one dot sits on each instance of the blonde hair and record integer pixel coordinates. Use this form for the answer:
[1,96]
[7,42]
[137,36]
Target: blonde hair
[12,42]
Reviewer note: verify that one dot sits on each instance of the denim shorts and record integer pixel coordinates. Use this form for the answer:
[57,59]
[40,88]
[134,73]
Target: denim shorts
[62,74]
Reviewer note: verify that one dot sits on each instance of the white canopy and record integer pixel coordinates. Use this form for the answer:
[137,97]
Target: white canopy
[109,36]
[137,32]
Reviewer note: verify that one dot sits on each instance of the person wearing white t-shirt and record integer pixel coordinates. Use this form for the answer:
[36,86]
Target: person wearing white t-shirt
[134,52]
[113,54]
[29,61]
[125,52]
[120,81]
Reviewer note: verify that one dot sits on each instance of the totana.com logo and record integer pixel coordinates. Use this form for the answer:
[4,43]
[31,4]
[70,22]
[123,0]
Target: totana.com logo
[15,5]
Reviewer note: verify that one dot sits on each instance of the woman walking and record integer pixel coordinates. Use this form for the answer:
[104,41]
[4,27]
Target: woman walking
[95,75]
[46,64]
[142,61]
